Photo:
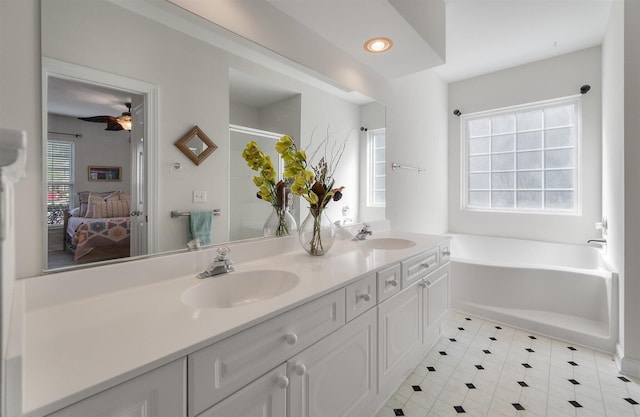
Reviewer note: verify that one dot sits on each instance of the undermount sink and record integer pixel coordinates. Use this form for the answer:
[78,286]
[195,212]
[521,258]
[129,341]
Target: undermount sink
[386,243]
[236,289]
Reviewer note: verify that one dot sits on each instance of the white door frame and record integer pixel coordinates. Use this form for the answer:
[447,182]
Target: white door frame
[60,69]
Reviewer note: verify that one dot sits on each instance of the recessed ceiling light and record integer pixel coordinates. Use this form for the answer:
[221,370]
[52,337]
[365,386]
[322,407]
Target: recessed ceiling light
[377,45]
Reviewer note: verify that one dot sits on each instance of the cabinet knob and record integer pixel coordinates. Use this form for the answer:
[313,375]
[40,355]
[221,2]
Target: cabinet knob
[426,264]
[446,252]
[282,382]
[392,281]
[365,297]
[291,338]
[428,283]
[299,369]
[423,284]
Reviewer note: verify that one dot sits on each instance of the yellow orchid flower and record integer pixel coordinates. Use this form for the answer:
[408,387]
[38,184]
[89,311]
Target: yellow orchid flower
[298,189]
[284,144]
[312,198]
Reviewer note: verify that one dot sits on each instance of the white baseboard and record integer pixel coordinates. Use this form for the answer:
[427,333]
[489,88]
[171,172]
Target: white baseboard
[626,365]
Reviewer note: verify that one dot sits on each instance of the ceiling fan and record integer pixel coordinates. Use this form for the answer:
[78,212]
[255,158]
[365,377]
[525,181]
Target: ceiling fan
[122,122]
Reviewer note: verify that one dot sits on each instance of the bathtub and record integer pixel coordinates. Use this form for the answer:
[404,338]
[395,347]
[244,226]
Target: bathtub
[559,290]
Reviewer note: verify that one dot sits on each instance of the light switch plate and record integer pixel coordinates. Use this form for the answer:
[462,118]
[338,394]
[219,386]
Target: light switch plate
[199,196]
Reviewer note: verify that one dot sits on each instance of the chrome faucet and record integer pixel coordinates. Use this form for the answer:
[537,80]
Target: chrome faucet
[601,242]
[220,265]
[363,233]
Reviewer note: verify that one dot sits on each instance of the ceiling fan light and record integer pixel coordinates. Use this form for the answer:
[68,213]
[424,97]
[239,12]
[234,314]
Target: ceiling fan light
[377,45]
[125,121]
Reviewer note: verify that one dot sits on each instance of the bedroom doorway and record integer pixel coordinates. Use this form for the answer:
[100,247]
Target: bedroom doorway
[96,171]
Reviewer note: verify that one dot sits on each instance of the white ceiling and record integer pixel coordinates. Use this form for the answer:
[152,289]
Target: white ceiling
[253,91]
[76,99]
[484,36]
[348,24]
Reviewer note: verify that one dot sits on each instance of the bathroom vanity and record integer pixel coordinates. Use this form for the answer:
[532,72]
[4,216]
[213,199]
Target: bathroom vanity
[325,336]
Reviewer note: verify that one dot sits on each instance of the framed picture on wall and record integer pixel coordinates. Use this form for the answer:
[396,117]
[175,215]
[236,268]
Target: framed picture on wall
[97,173]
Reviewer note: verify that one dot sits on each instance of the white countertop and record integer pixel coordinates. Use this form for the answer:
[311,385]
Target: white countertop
[80,347]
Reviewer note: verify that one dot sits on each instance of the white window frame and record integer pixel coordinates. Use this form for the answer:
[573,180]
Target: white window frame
[70,183]
[371,171]
[577,175]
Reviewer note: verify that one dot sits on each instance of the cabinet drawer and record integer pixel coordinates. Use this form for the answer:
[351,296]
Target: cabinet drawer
[222,368]
[417,267]
[389,280]
[361,296]
[445,252]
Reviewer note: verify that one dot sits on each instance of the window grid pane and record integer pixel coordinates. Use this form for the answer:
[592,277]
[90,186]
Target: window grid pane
[59,180]
[527,158]
[377,163]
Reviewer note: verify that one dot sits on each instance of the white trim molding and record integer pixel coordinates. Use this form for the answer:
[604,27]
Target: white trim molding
[626,365]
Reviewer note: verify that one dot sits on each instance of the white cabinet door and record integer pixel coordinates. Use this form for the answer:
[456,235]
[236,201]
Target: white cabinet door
[435,304]
[336,377]
[159,393]
[264,397]
[438,295]
[400,337]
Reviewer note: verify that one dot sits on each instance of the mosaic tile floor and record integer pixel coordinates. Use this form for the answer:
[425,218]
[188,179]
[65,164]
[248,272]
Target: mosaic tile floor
[480,368]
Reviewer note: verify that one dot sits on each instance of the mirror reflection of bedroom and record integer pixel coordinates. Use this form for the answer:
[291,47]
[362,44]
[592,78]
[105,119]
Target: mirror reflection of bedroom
[94,186]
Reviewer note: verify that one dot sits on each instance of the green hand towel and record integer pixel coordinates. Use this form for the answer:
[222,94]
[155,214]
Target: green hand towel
[200,226]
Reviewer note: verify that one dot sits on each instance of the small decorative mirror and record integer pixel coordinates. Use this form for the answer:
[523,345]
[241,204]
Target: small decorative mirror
[196,145]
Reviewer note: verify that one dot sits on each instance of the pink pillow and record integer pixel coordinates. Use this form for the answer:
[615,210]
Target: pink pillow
[118,208]
[111,208]
[83,197]
[95,200]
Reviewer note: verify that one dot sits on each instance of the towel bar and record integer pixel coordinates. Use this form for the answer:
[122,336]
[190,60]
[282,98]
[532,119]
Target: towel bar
[176,213]
[395,166]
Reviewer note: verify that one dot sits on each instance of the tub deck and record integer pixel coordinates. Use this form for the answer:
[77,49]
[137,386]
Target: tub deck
[576,302]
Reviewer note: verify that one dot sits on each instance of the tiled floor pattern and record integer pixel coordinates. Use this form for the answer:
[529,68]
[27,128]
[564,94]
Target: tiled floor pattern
[480,368]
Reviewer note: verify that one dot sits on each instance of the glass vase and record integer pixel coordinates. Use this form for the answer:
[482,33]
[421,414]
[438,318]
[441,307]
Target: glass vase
[279,223]
[317,232]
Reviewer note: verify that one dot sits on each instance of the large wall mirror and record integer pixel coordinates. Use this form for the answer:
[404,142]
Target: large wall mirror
[102,59]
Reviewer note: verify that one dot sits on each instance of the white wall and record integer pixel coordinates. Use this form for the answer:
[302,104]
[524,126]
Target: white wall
[552,78]
[417,136]
[631,329]
[243,115]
